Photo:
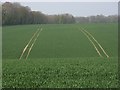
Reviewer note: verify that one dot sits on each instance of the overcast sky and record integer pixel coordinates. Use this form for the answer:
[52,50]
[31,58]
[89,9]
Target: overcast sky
[61,0]
[74,8]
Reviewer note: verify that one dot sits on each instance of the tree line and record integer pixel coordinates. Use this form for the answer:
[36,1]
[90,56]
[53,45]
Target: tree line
[97,19]
[14,13]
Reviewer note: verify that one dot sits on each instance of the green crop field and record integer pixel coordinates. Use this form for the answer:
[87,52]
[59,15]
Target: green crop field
[60,55]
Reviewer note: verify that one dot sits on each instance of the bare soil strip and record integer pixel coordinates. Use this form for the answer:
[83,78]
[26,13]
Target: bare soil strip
[28,44]
[92,43]
[98,44]
[33,43]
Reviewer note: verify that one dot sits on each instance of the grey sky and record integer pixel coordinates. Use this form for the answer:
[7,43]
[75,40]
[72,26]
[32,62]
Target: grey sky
[74,8]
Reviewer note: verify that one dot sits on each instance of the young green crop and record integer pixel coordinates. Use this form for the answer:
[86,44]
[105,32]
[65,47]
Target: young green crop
[59,41]
[62,56]
[61,72]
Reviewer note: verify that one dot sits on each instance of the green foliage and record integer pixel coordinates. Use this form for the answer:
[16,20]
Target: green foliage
[61,72]
[15,38]
[61,57]
[59,41]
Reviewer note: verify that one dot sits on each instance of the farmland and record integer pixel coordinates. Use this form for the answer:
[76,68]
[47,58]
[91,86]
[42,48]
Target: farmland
[62,56]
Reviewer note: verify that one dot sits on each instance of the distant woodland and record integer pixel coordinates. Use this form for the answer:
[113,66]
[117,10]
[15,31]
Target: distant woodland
[14,14]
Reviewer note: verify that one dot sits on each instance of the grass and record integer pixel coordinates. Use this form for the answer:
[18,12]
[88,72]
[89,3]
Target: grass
[106,34]
[61,72]
[61,57]
[62,41]
[15,38]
